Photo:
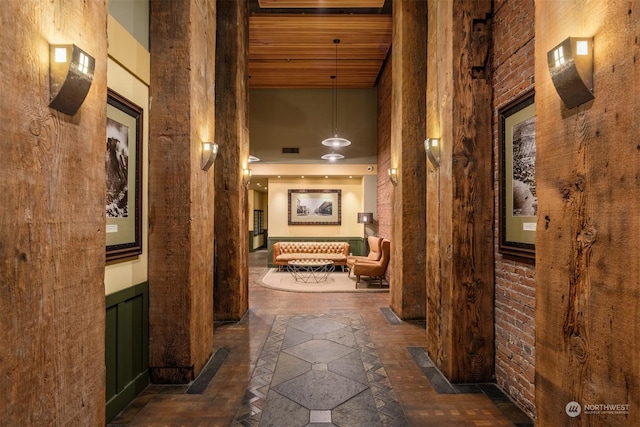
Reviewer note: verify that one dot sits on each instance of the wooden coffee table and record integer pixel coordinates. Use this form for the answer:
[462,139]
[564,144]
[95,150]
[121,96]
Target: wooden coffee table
[310,270]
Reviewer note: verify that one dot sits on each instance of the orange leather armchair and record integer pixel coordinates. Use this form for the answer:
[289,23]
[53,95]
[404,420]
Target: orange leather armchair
[375,269]
[375,252]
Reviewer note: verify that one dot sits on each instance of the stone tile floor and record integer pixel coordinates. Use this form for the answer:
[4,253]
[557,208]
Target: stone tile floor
[320,370]
[301,359]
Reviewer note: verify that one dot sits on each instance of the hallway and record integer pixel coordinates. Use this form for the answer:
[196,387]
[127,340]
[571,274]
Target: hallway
[319,360]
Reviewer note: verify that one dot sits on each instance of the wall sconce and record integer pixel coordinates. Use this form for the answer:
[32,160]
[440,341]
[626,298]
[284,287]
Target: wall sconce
[571,69]
[246,177]
[393,175]
[209,154]
[365,218]
[70,76]
[432,147]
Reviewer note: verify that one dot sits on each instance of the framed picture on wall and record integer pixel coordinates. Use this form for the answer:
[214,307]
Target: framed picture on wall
[124,176]
[518,198]
[315,207]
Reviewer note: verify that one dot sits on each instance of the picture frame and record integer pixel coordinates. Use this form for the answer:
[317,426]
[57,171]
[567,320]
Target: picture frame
[123,169]
[315,207]
[518,202]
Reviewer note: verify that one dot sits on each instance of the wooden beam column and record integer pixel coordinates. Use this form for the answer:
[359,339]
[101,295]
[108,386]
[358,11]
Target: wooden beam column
[181,194]
[587,251]
[460,191]
[407,287]
[52,222]
[232,134]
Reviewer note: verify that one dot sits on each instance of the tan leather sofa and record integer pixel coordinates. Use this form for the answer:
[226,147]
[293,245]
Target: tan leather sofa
[283,252]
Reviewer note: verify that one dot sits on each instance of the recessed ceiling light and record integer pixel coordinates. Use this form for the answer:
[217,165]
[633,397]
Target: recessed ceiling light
[332,156]
[253,159]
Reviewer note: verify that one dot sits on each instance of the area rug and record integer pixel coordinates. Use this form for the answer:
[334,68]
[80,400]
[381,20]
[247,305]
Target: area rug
[337,281]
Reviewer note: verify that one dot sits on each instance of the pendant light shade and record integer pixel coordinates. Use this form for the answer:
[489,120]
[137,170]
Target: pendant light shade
[332,157]
[335,140]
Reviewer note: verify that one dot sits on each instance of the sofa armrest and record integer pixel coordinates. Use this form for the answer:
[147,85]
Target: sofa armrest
[276,251]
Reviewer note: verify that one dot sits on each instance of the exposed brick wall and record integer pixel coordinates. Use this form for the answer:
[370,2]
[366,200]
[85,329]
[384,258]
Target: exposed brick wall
[384,152]
[513,75]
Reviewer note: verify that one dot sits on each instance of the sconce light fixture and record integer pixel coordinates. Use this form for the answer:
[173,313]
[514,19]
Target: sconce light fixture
[432,147]
[571,68]
[393,175]
[365,217]
[209,154]
[70,76]
[246,177]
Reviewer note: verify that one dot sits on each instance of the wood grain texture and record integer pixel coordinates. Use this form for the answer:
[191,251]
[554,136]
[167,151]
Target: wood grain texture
[459,194]
[180,194]
[231,292]
[52,223]
[587,333]
[437,20]
[408,239]
[297,50]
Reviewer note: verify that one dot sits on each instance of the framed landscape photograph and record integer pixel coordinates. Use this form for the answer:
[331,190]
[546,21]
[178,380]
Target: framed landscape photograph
[315,207]
[518,198]
[124,175]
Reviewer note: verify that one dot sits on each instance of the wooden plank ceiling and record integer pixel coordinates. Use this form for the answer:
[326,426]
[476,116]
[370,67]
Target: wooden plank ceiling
[294,48]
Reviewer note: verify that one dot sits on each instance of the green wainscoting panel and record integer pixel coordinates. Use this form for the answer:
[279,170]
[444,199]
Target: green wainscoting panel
[126,346]
[356,244]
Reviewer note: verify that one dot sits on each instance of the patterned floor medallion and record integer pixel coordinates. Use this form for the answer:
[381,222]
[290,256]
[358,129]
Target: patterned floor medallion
[319,370]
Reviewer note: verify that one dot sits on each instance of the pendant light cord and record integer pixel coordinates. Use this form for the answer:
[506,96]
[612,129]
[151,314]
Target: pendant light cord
[335,93]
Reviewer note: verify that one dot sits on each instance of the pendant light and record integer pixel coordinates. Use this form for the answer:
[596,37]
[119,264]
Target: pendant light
[335,140]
